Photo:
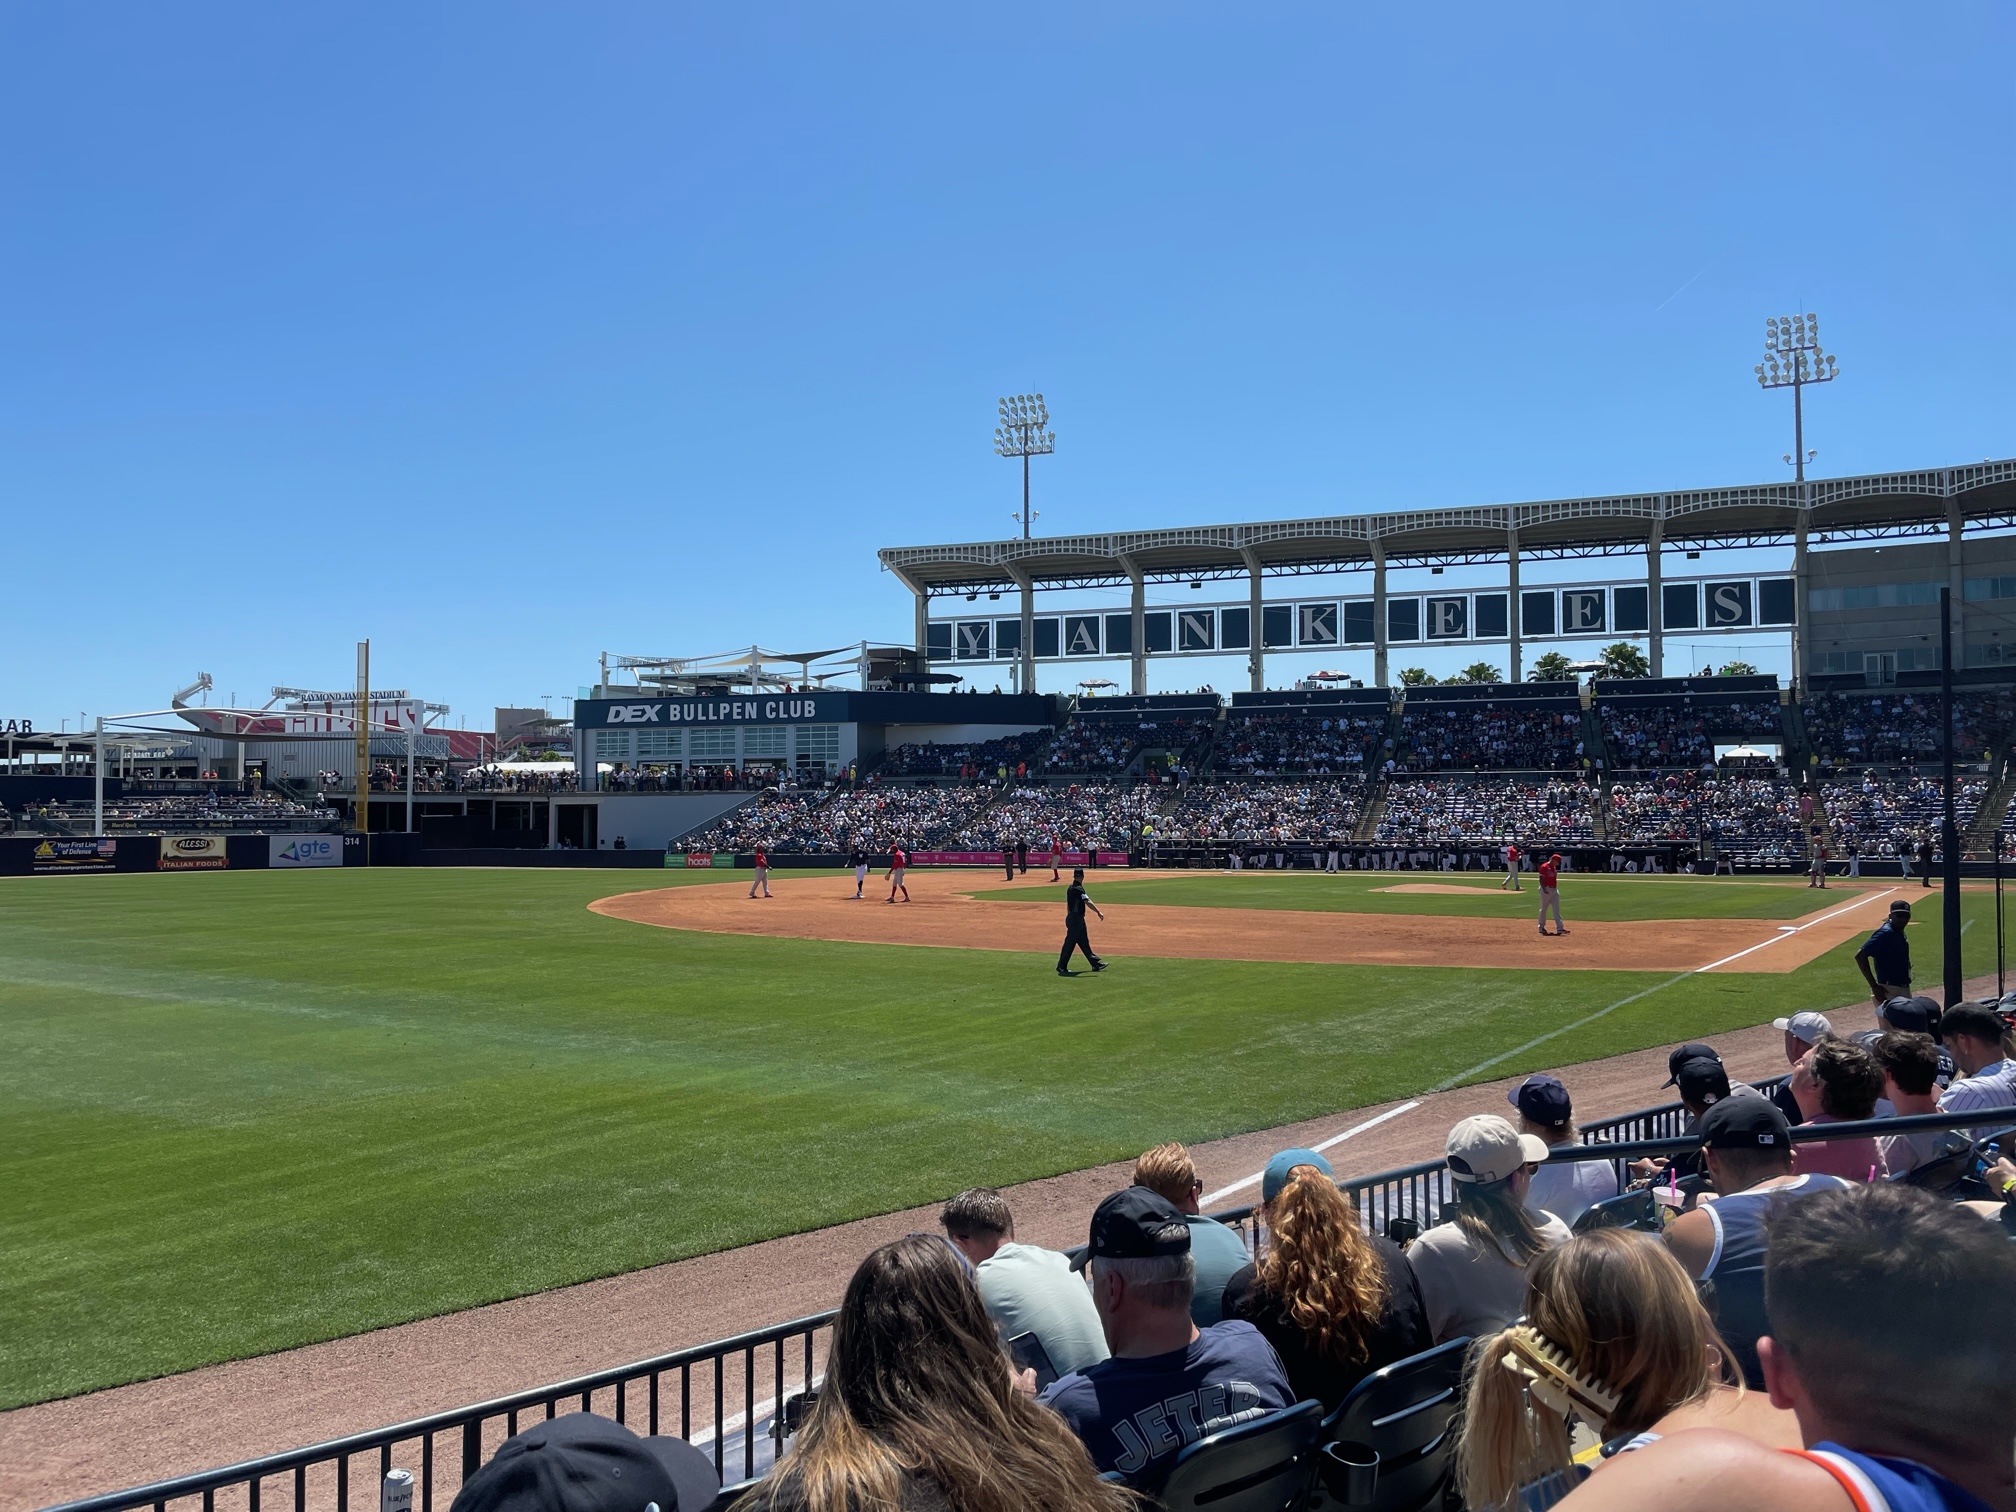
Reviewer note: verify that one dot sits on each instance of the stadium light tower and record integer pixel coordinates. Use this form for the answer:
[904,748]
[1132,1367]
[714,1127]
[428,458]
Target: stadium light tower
[1024,432]
[1793,359]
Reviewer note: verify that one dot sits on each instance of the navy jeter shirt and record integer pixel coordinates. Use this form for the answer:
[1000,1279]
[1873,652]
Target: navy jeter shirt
[1135,1415]
[1889,955]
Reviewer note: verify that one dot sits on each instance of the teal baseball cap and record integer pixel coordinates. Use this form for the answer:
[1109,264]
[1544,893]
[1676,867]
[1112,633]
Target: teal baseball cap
[1276,1175]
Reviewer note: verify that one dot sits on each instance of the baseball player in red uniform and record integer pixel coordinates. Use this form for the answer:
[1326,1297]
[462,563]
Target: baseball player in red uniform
[1056,855]
[897,861]
[1550,894]
[1511,870]
[762,872]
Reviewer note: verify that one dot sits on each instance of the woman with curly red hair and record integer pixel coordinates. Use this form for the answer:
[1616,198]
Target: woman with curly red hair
[1336,1303]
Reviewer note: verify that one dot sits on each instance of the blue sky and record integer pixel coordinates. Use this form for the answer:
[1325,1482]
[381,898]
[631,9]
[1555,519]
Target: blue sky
[505,334]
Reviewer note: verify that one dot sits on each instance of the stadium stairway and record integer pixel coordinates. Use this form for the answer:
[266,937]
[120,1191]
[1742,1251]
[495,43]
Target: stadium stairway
[1375,810]
[1987,824]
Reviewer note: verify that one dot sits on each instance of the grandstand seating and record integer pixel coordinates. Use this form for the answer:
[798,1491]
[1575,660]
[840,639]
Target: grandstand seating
[1880,812]
[1087,815]
[1751,818]
[1406,1415]
[1900,725]
[1107,743]
[1510,735]
[1267,743]
[976,760]
[1493,810]
[1683,730]
[183,813]
[874,818]
[1259,1466]
[1319,808]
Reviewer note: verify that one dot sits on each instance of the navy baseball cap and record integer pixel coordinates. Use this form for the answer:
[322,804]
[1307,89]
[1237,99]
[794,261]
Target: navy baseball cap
[1135,1224]
[1745,1123]
[1678,1058]
[586,1463]
[1702,1080]
[1914,1015]
[1541,1099]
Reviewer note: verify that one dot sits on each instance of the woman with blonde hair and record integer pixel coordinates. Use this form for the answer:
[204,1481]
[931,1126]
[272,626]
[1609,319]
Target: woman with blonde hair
[1614,1336]
[918,1411]
[1335,1303]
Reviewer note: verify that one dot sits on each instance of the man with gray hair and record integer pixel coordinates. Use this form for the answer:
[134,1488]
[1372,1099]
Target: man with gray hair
[1025,1289]
[1168,1382]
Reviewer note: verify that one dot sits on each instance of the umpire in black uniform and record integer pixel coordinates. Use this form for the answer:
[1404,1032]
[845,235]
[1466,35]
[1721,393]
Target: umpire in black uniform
[1075,904]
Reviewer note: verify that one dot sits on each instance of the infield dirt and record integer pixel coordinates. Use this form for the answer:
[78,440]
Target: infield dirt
[956,911]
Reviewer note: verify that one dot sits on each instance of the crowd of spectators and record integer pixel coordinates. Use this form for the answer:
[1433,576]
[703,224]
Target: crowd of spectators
[1552,811]
[1544,735]
[1752,818]
[1890,813]
[491,779]
[819,822]
[1322,808]
[971,761]
[1108,743]
[1079,815]
[1280,745]
[1644,733]
[174,813]
[1604,1366]
[1851,728]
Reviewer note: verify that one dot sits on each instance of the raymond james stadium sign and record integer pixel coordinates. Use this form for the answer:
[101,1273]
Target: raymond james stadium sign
[778,708]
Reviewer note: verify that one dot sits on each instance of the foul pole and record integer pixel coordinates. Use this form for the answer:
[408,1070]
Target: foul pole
[1949,829]
[361,807]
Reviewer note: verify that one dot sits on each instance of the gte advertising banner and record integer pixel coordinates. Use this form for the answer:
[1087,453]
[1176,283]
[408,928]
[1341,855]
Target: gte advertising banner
[192,853]
[74,856]
[306,850]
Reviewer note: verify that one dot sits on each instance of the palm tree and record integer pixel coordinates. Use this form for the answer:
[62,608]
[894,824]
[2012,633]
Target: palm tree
[1553,667]
[1624,660]
[1479,672]
[1415,677]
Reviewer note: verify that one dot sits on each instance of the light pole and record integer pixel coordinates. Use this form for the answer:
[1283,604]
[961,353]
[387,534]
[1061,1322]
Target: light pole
[1793,359]
[1024,432]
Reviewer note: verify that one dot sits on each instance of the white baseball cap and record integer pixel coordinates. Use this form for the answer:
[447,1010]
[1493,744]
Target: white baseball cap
[1810,1028]
[1486,1148]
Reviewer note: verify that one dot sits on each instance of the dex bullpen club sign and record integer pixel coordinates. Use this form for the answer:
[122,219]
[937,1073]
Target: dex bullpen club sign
[192,853]
[768,708]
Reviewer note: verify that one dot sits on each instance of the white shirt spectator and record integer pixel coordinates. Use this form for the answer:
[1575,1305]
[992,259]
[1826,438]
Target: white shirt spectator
[1569,1188]
[1993,1086]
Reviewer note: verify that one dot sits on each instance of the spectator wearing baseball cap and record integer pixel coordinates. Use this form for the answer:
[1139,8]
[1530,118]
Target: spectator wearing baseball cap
[1802,1032]
[1679,1056]
[918,1411]
[1976,1036]
[1472,1272]
[1897,1405]
[1215,1250]
[1747,1145]
[1885,957]
[1910,1015]
[1168,1382]
[1565,1188]
[1335,1302]
[585,1463]
[1838,1081]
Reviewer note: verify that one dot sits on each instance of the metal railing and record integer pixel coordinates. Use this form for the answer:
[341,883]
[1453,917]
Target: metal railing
[716,1395]
[743,1382]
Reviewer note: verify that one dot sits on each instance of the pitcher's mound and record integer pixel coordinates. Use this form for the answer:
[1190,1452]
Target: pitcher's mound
[1436,887]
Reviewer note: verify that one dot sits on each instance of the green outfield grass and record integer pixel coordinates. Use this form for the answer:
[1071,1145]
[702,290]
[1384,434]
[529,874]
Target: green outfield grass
[1584,895]
[243,1111]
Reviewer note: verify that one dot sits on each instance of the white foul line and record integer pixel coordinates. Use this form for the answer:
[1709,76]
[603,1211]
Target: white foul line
[1334,1139]
[1785,933]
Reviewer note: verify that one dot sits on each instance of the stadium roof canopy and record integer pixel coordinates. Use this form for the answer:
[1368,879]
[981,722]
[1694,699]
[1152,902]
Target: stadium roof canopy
[1981,496]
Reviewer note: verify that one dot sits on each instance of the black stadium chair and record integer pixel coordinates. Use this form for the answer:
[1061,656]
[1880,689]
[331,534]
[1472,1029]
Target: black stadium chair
[1266,1465]
[1389,1445]
[1632,1210]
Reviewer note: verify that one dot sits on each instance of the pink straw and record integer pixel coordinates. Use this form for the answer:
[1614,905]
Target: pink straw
[1872,1173]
